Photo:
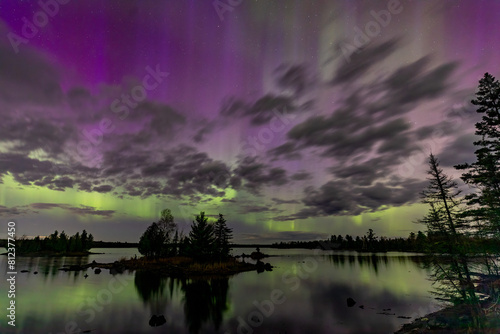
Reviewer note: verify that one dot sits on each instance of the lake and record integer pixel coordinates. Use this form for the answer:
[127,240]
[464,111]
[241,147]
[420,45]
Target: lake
[305,293]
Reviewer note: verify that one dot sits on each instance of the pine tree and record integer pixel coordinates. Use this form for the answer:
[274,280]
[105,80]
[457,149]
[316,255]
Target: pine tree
[62,242]
[174,250]
[78,242]
[201,239]
[445,217]
[90,240]
[484,174]
[84,239]
[442,194]
[223,235]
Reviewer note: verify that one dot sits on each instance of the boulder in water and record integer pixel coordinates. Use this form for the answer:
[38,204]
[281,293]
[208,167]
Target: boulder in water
[156,321]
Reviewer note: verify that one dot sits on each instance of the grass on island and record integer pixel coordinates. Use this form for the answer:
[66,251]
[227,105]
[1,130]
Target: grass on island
[183,266]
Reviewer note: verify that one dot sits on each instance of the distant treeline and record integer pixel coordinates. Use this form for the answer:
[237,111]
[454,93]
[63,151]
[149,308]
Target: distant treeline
[415,242]
[114,244]
[57,242]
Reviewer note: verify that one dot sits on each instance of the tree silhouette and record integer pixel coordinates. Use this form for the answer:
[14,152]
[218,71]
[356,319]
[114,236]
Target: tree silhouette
[445,219]
[156,241]
[443,195]
[484,174]
[205,300]
[223,235]
[152,241]
[201,239]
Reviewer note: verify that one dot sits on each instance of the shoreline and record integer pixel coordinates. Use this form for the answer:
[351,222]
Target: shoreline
[175,267]
[458,318]
[53,254]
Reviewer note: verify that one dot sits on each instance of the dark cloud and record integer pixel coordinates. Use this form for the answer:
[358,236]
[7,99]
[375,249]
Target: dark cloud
[79,98]
[261,111]
[162,119]
[282,201]
[204,131]
[288,151]
[338,142]
[61,183]
[25,170]
[366,172]
[285,236]
[32,133]
[295,78]
[227,200]
[244,209]
[372,115]
[127,161]
[105,188]
[13,211]
[301,176]
[233,106]
[460,150]
[181,171]
[82,210]
[45,206]
[85,186]
[27,77]
[257,174]
[413,83]
[343,198]
[361,62]
[158,169]
[367,136]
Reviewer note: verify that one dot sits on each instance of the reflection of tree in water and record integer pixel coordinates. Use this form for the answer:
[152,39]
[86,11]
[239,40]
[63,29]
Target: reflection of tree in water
[454,283]
[373,260]
[151,289]
[205,300]
[149,285]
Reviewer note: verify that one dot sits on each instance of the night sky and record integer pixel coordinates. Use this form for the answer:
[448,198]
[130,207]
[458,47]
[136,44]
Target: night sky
[295,119]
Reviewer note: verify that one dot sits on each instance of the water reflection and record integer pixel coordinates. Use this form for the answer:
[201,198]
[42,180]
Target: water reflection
[315,296]
[455,279]
[372,260]
[205,300]
[48,267]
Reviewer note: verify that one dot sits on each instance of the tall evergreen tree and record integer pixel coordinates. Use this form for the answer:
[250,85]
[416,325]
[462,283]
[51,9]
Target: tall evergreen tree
[484,174]
[201,238]
[442,195]
[445,217]
[223,235]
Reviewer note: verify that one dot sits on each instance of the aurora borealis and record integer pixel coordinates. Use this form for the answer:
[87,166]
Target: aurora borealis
[295,119]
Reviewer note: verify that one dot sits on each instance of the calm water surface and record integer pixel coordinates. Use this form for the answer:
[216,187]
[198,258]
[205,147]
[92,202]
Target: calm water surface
[305,293]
